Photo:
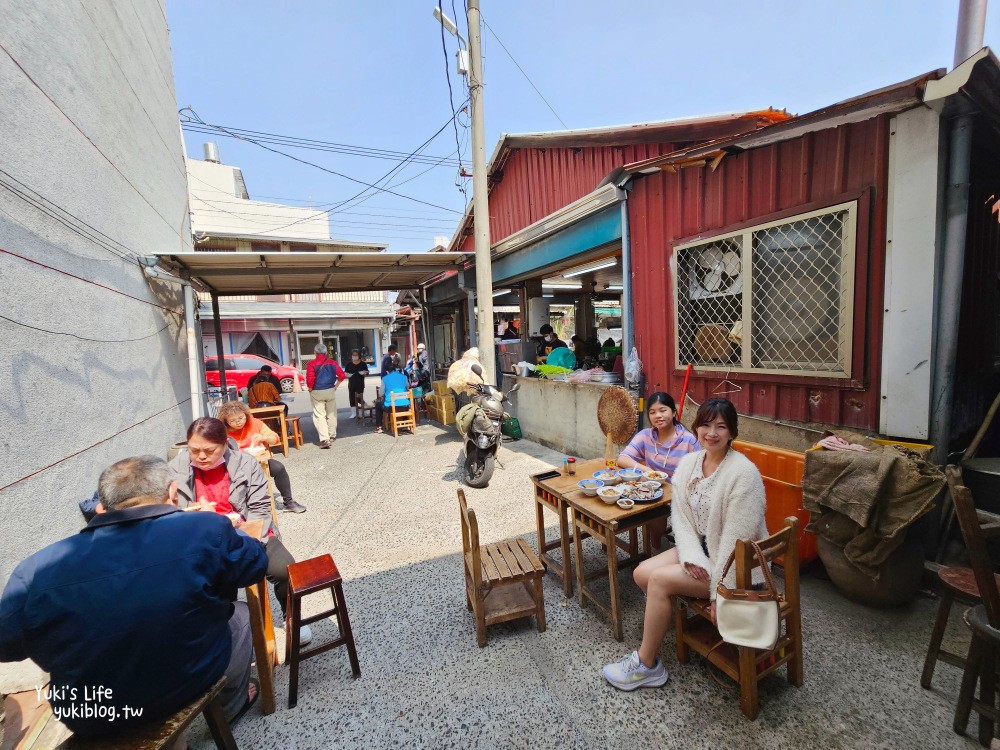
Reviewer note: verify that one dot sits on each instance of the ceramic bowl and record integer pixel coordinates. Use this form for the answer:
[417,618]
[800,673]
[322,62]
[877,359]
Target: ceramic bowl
[630,475]
[610,495]
[590,486]
[609,478]
[625,504]
[659,477]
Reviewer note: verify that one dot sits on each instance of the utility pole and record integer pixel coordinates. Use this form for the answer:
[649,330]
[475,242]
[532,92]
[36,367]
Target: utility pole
[480,200]
[971,29]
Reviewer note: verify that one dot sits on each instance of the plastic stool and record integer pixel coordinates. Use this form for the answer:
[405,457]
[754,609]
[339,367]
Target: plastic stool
[310,577]
[295,430]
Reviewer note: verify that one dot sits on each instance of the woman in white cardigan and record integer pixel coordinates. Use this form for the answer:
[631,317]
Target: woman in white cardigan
[718,497]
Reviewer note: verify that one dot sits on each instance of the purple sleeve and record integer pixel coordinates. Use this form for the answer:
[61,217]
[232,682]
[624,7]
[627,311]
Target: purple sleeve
[636,447]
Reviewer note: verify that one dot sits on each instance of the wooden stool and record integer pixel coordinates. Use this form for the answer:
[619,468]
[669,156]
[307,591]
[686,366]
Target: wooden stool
[309,577]
[296,429]
[959,584]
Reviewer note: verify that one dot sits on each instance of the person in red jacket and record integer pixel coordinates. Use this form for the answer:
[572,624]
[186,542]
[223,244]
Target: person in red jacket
[323,375]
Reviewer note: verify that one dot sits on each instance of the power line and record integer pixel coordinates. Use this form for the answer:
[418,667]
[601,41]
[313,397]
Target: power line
[368,185]
[542,96]
[312,145]
[451,101]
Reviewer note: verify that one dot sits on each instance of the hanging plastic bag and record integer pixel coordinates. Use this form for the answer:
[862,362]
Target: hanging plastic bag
[633,367]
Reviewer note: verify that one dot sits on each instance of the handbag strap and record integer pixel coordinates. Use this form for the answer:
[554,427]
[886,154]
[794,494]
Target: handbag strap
[764,566]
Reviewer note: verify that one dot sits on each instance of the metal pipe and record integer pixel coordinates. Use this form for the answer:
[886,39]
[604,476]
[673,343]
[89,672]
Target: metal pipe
[220,355]
[426,318]
[971,28]
[473,337]
[956,218]
[628,335]
[480,197]
[194,371]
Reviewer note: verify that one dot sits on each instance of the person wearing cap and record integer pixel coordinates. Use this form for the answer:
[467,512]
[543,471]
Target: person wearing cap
[549,342]
[422,357]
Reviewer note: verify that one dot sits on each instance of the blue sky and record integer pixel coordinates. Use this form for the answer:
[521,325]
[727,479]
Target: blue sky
[372,74]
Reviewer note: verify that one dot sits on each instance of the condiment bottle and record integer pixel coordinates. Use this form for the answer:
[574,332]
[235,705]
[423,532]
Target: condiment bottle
[571,462]
[565,466]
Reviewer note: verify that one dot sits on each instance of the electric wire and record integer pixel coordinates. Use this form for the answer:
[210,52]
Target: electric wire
[314,145]
[334,172]
[451,101]
[518,65]
[82,338]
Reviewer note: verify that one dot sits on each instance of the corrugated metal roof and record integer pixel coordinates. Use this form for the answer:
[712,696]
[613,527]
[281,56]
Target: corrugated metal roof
[229,273]
[894,98]
[328,245]
[595,141]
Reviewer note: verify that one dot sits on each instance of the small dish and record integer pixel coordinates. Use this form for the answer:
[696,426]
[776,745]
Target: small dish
[630,475]
[660,477]
[590,486]
[610,495]
[625,504]
[609,478]
[650,484]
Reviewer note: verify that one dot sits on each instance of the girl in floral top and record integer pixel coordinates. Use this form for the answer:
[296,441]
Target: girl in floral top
[659,448]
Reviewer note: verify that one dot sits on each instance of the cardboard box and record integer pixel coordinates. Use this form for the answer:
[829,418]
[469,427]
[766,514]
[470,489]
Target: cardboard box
[441,388]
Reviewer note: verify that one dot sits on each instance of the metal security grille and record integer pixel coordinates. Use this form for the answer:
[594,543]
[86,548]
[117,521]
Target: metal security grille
[772,298]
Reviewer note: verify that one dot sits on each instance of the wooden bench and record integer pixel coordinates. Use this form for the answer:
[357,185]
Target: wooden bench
[30,725]
[503,581]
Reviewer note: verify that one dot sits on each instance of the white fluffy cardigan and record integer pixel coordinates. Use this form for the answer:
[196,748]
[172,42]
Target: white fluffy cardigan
[737,512]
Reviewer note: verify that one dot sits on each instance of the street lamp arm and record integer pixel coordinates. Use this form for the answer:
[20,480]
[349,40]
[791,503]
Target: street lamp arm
[450,26]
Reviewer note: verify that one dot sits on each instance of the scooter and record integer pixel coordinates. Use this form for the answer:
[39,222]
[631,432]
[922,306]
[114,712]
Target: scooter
[482,440]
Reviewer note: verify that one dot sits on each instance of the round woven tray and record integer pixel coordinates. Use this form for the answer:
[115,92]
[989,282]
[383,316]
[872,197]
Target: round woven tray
[616,415]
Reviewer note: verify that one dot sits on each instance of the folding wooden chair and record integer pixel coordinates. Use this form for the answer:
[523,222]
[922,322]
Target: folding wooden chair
[398,417]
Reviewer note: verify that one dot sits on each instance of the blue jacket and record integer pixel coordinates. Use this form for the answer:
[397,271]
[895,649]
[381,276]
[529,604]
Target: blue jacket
[395,382]
[138,602]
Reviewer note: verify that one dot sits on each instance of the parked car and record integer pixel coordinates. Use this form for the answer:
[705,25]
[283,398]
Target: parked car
[241,367]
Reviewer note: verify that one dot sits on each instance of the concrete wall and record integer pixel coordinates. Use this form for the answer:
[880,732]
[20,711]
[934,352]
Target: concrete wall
[91,169]
[216,206]
[561,416]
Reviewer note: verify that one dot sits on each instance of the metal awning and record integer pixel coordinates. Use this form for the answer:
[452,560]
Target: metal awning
[239,273]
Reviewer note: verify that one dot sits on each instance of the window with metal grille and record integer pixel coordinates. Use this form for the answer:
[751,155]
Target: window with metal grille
[777,297]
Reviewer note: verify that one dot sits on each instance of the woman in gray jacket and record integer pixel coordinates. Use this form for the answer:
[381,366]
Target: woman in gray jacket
[213,474]
[718,498]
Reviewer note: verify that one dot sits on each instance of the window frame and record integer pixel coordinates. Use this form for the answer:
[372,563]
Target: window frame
[851,253]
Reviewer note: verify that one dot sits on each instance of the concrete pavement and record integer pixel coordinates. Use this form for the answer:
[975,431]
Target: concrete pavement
[386,510]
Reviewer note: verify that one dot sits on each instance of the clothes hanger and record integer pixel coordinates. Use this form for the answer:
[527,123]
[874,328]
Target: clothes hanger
[733,387]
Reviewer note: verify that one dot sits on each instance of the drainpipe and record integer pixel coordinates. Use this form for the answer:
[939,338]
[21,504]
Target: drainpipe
[956,217]
[628,335]
[968,41]
[220,355]
[194,370]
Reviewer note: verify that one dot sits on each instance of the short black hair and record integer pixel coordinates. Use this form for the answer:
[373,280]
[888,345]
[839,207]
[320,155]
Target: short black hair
[545,329]
[392,347]
[714,408]
[355,351]
[266,368]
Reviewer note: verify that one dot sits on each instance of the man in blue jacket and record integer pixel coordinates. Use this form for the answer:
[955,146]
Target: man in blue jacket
[138,610]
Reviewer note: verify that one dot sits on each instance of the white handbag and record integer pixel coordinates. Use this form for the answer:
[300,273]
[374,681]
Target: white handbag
[749,618]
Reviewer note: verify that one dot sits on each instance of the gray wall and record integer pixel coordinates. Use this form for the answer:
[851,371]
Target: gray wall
[90,137]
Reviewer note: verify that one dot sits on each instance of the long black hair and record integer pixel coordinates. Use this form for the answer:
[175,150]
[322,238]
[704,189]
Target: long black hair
[662,397]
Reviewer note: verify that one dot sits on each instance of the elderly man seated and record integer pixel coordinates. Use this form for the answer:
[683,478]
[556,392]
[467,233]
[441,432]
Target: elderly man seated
[136,610]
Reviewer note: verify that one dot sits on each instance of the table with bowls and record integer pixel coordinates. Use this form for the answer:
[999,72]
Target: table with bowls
[587,513]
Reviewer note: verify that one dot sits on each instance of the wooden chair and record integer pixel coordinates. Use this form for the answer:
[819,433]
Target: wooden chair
[959,584]
[984,620]
[295,431]
[747,666]
[398,417]
[503,581]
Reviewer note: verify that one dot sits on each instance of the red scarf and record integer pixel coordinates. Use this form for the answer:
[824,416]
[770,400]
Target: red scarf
[212,485]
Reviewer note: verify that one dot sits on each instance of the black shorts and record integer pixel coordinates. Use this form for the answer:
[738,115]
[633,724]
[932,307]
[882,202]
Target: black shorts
[356,397]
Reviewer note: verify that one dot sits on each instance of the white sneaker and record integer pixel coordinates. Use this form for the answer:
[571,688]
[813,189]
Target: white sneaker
[630,673]
[305,635]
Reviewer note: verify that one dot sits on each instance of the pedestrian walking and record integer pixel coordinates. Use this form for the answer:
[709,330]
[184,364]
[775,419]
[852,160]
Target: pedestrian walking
[323,375]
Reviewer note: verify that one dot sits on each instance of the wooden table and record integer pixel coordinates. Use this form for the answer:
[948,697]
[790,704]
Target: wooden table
[264,413]
[591,516]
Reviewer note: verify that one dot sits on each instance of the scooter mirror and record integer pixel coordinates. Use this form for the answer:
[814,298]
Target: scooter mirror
[512,390]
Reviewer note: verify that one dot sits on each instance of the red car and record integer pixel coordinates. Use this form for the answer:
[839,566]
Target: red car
[241,367]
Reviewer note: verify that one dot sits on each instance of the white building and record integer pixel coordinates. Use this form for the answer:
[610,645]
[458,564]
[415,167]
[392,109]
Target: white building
[283,328]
